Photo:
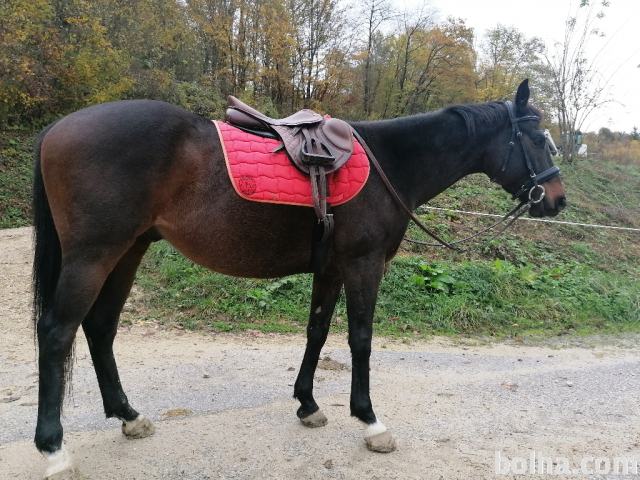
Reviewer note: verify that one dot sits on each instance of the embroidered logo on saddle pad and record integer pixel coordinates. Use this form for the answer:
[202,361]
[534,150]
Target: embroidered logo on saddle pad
[262,175]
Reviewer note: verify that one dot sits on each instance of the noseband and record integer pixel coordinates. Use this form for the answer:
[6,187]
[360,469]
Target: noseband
[534,183]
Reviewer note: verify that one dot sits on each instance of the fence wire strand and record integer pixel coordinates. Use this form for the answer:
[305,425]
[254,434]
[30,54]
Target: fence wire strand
[528,219]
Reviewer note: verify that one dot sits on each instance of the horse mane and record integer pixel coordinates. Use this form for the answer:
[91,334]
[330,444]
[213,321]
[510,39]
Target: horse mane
[479,116]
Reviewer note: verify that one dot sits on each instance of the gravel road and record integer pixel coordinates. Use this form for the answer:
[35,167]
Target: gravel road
[222,404]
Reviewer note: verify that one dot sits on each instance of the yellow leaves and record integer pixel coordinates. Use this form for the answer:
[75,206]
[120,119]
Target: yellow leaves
[57,56]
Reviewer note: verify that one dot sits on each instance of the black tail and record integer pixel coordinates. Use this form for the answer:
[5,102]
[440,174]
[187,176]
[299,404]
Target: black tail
[46,259]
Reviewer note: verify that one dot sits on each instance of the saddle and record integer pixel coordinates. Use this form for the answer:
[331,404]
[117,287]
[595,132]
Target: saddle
[316,145]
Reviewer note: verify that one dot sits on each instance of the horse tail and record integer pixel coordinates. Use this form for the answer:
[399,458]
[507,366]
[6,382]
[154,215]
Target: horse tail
[47,252]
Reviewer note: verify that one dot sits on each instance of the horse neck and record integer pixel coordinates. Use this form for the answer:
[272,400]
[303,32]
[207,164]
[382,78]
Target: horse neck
[425,154]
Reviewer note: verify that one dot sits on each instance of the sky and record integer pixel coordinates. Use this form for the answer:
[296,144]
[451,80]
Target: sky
[617,54]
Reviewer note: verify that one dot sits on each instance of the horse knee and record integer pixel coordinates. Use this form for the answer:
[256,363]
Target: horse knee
[55,341]
[360,348]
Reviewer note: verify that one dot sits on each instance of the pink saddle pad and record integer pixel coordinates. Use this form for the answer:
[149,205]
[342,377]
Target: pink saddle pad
[260,174]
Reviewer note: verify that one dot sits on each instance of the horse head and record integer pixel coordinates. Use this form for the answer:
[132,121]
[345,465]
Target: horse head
[519,159]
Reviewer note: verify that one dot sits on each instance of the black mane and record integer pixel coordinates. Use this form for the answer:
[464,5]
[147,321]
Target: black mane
[479,119]
[478,116]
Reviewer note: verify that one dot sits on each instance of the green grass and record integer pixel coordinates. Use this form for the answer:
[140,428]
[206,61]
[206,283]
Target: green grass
[16,152]
[535,280]
[495,298]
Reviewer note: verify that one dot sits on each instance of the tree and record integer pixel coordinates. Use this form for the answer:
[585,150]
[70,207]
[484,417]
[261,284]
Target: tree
[506,57]
[428,64]
[606,135]
[55,57]
[401,49]
[576,88]
[375,12]
[29,52]
[320,27]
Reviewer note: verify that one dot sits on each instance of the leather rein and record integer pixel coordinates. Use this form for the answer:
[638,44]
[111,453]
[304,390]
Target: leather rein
[533,185]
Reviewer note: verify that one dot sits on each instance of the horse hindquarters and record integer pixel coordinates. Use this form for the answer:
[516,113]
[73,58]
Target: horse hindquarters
[74,257]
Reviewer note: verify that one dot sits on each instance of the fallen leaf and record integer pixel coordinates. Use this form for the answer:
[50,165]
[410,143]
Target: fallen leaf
[327,363]
[177,412]
[509,386]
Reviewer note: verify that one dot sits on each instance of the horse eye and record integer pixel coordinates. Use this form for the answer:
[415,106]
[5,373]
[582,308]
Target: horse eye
[539,140]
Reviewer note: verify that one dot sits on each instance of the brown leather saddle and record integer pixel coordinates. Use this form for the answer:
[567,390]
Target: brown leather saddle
[315,144]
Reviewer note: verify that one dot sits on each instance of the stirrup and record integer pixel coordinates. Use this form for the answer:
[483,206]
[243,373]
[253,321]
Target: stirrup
[317,156]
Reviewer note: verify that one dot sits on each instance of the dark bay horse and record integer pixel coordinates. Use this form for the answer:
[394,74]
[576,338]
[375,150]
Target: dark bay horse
[112,178]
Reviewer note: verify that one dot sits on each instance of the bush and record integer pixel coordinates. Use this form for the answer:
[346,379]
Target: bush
[200,99]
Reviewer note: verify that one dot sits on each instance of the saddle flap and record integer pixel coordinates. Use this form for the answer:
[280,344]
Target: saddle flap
[339,134]
[333,142]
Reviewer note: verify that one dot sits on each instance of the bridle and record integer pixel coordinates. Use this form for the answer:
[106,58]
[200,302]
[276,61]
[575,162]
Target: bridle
[533,185]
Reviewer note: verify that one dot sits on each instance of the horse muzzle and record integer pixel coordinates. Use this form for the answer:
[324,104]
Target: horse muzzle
[547,199]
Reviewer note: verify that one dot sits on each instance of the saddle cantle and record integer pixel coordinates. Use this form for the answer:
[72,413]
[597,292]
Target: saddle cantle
[316,145]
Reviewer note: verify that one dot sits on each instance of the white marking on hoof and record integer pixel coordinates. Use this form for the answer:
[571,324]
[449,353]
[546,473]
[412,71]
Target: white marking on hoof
[59,464]
[381,443]
[374,429]
[141,427]
[379,439]
[316,419]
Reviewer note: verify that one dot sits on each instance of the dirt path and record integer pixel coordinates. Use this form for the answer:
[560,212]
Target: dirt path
[223,408]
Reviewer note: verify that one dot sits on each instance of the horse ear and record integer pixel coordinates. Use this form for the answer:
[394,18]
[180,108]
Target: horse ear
[522,95]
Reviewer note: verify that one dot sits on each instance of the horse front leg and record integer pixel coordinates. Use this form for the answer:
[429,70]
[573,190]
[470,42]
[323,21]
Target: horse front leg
[361,282]
[326,290]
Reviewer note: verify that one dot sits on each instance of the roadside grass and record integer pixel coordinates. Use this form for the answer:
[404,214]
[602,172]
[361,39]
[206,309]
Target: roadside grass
[598,192]
[494,298]
[16,153]
[535,280]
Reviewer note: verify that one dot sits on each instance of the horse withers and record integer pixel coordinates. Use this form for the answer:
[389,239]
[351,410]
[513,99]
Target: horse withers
[112,178]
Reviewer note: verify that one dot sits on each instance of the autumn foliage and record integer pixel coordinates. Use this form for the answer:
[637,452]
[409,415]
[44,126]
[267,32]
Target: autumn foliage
[359,60]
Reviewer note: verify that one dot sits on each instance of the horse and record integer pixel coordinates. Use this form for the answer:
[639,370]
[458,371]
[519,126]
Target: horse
[111,179]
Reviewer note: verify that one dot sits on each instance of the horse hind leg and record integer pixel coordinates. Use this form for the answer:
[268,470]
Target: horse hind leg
[82,275]
[100,328]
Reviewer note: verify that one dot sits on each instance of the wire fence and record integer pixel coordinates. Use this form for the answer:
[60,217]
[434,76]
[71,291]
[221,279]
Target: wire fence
[528,219]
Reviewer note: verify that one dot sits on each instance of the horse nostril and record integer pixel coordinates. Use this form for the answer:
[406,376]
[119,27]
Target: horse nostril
[561,203]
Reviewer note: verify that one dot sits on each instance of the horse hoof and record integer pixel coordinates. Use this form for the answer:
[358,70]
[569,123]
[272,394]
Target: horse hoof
[316,419]
[141,427]
[60,466]
[381,443]
[379,439]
